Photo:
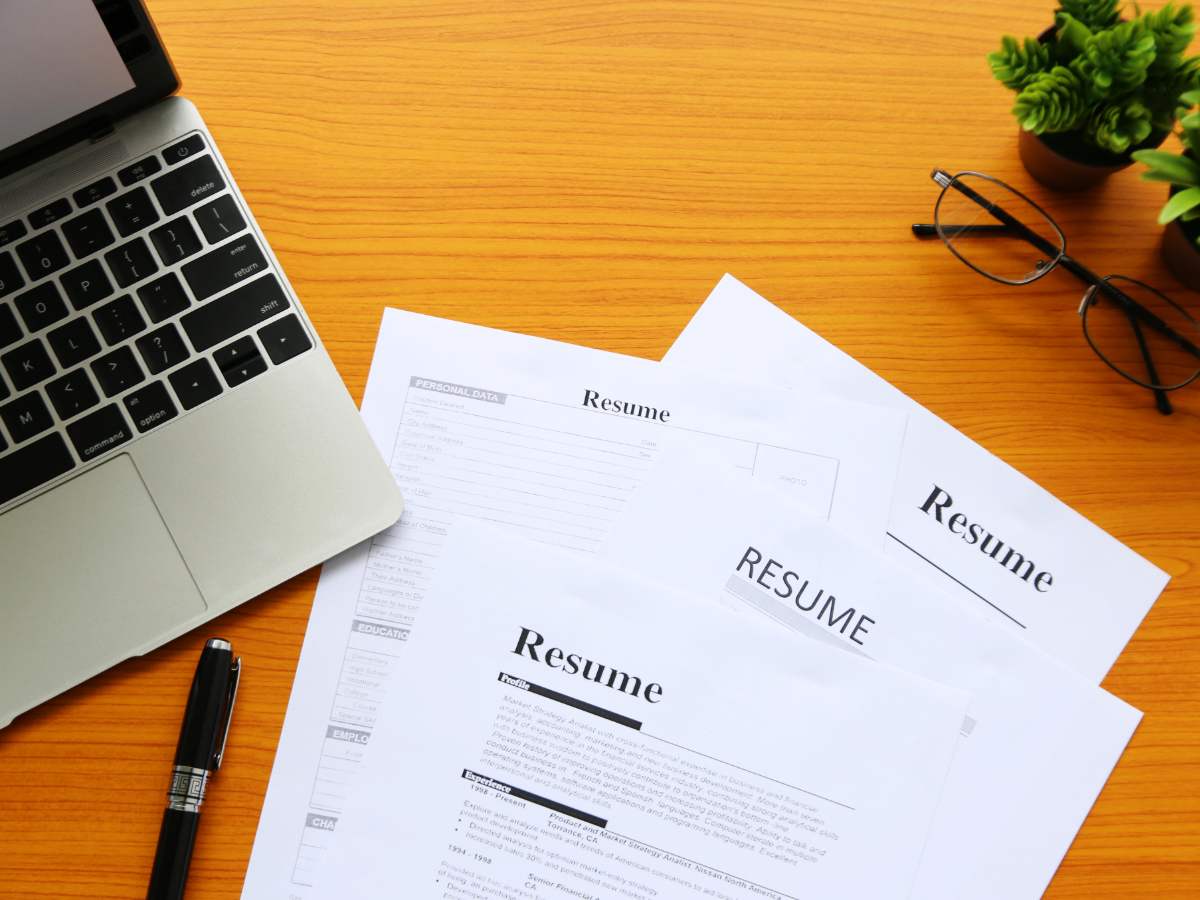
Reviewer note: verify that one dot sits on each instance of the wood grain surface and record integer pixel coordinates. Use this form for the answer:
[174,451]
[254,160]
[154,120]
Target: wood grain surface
[586,170]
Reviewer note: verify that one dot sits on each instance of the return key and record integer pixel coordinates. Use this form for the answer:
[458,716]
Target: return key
[224,267]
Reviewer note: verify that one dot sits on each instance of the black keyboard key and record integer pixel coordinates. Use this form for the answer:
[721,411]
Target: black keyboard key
[245,370]
[4,394]
[238,311]
[98,432]
[131,262]
[13,231]
[48,215]
[185,149]
[139,171]
[10,331]
[72,394]
[188,185]
[164,298]
[33,465]
[284,339]
[235,354]
[240,361]
[10,275]
[41,307]
[87,233]
[224,267]
[117,372]
[26,417]
[73,342]
[150,406]
[175,241]
[43,255]
[119,320]
[220,219]
[3,442]
[93,193]
[132,212]
[162,349]
[28,364]
[86,284]
[195,383]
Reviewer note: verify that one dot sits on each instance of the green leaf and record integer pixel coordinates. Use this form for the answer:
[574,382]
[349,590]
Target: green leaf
[1179,204]
[1191,98]
[1191,137]
[1154,175]
[1180,169]
[1014,65]
[1072,36]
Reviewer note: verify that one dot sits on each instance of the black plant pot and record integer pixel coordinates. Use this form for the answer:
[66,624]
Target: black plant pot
[1066,162]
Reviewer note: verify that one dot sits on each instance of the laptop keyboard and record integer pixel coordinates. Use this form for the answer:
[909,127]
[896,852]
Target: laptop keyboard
[126,304]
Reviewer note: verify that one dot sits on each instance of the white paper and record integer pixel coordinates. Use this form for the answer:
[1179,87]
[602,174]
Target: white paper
[492,424]
[735,759]
[706,529]
[56,61]
[1069,587]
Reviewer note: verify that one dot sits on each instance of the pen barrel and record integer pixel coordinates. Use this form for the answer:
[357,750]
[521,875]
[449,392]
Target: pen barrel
[173,857]
[204,718]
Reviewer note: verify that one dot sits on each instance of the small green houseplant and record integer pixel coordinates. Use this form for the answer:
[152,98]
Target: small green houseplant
[1181,214]
[1097,85]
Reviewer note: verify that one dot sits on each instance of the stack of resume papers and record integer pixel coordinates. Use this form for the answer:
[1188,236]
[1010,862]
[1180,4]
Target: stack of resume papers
[747,623]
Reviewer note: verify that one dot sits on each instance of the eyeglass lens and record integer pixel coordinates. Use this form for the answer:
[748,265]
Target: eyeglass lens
[1119,339]
[986,240]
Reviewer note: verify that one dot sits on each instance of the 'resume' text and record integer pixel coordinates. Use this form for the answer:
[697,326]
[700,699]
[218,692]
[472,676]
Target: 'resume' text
[990,545]
[572,664]
[595,401]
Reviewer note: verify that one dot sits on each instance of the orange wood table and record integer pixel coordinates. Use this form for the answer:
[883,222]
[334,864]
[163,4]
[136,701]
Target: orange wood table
[586,171]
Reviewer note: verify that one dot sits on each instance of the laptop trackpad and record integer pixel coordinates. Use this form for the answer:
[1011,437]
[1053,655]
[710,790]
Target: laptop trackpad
[91,577]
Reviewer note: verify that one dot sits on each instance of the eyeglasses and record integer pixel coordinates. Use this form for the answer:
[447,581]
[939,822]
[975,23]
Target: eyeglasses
[999,232]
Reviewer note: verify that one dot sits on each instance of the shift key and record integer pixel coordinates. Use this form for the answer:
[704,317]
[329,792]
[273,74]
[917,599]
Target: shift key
[224,267]
[234,313]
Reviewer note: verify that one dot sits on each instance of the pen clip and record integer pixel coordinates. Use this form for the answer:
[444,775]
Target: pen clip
[233,689]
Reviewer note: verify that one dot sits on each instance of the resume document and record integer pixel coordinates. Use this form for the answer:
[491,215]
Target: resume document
[1039,741]
[547,440]
[962,518]
[563,729]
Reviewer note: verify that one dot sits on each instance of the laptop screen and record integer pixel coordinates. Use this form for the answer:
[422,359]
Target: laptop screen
[56,61]
[68,68]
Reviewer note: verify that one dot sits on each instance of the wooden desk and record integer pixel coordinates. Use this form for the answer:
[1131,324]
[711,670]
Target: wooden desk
[586,171]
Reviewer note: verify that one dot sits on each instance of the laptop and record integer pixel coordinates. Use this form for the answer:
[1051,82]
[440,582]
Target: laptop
[173,437]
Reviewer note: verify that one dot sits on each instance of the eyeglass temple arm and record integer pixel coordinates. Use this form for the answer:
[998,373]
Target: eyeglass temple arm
[1160,397]
[1076,268]
[921,230]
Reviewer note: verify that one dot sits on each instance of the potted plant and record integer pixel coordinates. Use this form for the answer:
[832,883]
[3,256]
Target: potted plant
[1096,87]
[1181,214]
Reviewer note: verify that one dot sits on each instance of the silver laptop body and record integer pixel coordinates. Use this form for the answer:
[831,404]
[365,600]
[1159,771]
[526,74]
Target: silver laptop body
[174,439]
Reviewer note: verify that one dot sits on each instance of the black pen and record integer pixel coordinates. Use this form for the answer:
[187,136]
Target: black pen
[201,747]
